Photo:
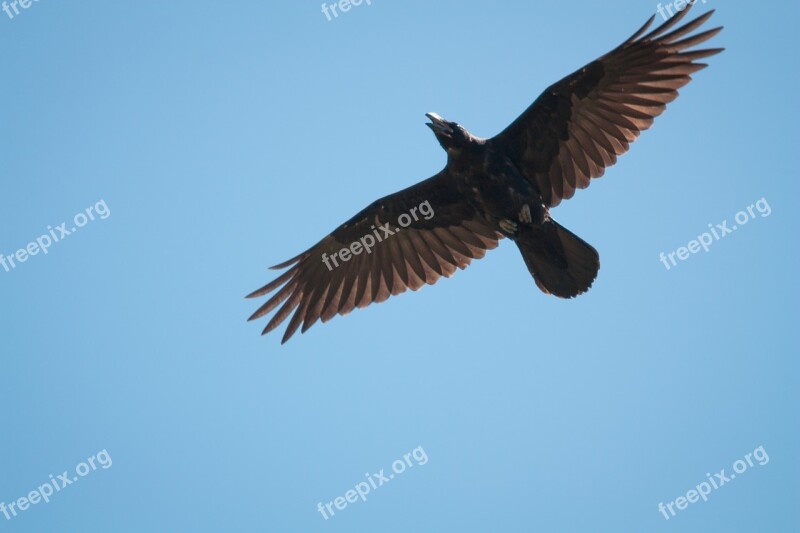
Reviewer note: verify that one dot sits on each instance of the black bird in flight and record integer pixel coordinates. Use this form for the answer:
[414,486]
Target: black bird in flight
[498,187]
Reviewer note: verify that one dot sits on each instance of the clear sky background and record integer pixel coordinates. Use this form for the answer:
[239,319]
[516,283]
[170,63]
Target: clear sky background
[225,137]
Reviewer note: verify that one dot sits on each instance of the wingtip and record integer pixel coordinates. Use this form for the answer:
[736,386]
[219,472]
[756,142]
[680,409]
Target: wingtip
[288,263]
[258,314]
[266,289]
[641,30]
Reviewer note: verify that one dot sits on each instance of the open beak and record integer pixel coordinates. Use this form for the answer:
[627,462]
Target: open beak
[438,124]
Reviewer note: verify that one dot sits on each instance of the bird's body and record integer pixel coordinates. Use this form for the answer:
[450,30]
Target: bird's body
[490,181]
[496,188]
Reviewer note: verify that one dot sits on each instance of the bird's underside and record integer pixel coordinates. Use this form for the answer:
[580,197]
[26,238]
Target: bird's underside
[496,188]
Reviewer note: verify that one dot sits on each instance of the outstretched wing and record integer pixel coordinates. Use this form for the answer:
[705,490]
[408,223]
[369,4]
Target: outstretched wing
[579,126]
[432,229]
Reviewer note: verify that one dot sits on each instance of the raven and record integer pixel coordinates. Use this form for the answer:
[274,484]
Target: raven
[496,188]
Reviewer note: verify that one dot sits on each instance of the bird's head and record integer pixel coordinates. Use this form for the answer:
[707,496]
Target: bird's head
[451,136]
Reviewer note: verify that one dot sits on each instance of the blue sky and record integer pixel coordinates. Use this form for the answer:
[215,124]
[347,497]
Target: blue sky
[222,138]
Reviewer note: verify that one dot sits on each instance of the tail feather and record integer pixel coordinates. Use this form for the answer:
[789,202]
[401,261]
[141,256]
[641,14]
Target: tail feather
[561,263]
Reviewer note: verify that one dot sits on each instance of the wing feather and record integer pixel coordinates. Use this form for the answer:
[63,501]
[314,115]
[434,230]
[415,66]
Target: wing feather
[411,257]
[579,126]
